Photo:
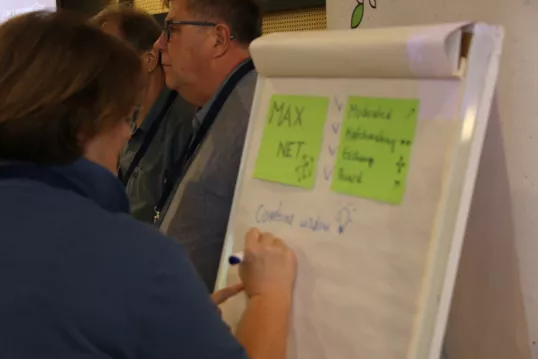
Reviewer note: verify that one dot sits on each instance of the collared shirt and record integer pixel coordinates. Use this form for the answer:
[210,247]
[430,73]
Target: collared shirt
[197,212]
[202,112]
[146,183]
[82,279]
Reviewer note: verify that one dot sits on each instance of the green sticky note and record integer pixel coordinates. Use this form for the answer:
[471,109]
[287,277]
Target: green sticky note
[291,140]
[375,147]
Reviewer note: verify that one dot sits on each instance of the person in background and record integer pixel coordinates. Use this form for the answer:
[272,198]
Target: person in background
[206,59]
[162,124]
[80,277]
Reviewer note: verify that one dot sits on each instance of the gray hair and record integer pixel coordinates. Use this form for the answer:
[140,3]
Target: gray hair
[244,17]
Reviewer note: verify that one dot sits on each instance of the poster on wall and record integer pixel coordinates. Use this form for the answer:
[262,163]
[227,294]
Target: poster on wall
[10,8]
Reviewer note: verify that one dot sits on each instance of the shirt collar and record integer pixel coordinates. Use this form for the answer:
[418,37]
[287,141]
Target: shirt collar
[97,183]
[202,112]
[155,110]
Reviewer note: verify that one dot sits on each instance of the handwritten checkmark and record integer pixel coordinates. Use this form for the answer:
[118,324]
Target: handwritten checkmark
[412,112]
[335,127]
[332,150]
[327,173]
[339,105]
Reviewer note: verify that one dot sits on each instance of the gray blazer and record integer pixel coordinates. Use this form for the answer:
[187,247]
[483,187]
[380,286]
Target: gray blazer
[197,214]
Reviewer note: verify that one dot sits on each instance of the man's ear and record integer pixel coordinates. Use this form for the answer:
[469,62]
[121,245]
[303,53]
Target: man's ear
[223,38]
[151,60]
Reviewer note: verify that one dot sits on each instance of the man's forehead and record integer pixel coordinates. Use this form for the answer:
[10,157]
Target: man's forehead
[176,8]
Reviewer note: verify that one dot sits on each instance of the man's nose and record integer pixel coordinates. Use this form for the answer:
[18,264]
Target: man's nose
[160,44]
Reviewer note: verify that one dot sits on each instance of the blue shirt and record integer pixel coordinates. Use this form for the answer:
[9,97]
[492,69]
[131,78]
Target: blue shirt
[82,279]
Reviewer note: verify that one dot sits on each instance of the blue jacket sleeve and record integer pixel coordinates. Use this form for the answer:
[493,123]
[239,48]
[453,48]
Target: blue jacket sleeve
[178,318]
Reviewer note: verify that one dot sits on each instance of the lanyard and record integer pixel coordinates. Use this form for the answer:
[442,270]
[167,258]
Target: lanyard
[148,138]
[39,174]
[181,166]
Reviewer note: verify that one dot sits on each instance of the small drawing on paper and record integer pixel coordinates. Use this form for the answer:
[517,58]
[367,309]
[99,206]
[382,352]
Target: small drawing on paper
[305,169]
[400,165]
[344,218]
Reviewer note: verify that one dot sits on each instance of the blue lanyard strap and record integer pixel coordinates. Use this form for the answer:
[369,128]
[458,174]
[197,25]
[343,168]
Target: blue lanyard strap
[148,138]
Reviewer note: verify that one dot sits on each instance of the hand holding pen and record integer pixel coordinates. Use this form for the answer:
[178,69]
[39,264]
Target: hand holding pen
[266,264]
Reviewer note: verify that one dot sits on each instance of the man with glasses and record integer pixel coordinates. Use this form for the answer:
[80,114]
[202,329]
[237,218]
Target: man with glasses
[162,124]
[205,57]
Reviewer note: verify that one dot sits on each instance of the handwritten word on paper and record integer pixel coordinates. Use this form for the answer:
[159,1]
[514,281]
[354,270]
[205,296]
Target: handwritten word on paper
[291,140]
[308,218]
[375,147]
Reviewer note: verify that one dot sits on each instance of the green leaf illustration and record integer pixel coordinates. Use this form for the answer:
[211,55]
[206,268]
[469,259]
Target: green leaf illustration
[356,17]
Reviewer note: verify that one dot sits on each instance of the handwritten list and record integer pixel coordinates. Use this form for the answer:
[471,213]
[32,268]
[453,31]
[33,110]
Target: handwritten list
[291,140]
[374,149]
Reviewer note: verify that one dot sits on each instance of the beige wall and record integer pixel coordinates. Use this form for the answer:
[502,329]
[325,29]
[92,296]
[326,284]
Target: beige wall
[494,311]
[309,19]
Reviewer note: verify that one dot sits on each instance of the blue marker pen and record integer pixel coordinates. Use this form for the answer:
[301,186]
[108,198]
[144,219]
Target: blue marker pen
[236,258]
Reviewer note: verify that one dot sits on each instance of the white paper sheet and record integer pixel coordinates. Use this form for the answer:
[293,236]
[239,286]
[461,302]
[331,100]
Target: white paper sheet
[357,292]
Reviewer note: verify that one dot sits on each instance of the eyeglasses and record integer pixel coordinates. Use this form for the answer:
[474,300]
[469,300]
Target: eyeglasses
[168,25]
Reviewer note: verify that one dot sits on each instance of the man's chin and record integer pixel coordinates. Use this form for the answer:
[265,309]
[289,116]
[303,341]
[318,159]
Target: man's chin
[171,83]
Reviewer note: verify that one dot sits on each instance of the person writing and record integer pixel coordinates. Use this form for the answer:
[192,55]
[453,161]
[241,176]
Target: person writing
[81,278]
